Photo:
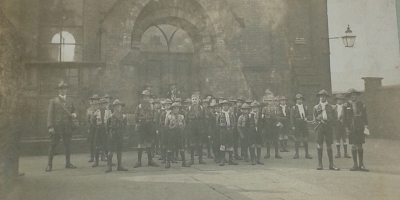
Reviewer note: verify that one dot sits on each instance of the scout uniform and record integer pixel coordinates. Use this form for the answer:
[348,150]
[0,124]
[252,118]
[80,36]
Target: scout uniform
[214,131]
[236,136]
[299,123]
[144,115]
[226,122]
[92,125]
[116,125]
[59,124]
[162,130]
[284,119]
[173,93]
[243,128]
[255,129]
[271,126]
[109,102]
[101,115]
[157,113]
[243,145]
[323,116]
[175,124]
[339,128]
[207,135]
[356,122]
[195,126]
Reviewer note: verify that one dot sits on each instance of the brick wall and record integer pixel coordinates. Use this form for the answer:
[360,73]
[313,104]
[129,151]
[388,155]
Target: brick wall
[11,49]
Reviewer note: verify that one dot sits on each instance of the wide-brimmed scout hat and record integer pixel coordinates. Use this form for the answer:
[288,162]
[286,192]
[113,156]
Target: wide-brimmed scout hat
[231,99]
[178,100]
[205,101]
[299,96]
[282,98]
[214,104]
[245,106]
[249,101]
[240,99]
[270,98]
[118,102]
[94,97]
[188,100]
[255,104]
[224,102]
[176,104]
[167,101]
[340,96]
[62,85]
[102,101]
[107,96]
[351,91]
[323,93]
[146,92]
[157,100]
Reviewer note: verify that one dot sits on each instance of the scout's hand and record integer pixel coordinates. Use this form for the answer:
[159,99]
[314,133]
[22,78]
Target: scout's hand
[293,128]
[73,115]
[51,130]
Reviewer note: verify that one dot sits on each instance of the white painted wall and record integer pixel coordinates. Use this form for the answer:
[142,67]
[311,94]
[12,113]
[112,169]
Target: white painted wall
[376,50]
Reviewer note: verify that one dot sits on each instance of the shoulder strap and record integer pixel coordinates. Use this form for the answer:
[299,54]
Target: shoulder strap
[62,106]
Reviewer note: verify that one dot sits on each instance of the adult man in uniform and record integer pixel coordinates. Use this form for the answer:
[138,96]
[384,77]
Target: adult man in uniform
[299,123]
[236,137]
[356,122]
[196,123]
[243,128]
[284,119]
[60,114]
[214,131]
[144,115]
[94,100]
[207,135]
[162,129]
[339,128]
[323,116]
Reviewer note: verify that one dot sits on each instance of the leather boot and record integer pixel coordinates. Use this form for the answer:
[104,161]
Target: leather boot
[191,162]
[184,164]
[103,157]
[49,168]
[276,146]
[285,145]
[355,161]
[150,161]
[231,161]
[338,151]
[96,158]
[162,157]
[109,161]
[308,156]
[319,159]
[361,161]
[253,156]
[139,162]
[237,157]
[168,165]
[330,157]
[259,156]
[346,155]
[119,158]
[222,163]
[268,155]
[200,150]
[296,146]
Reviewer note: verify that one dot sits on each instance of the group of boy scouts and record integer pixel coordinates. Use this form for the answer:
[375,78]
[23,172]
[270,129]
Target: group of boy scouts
[169,125]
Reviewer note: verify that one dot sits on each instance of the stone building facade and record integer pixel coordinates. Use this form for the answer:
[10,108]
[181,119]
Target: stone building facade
[227,48]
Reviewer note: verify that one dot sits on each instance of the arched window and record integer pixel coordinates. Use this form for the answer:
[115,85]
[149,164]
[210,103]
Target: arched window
[166,38]
[66,45]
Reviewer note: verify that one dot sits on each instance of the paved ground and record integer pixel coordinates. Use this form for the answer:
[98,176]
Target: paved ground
[277,179]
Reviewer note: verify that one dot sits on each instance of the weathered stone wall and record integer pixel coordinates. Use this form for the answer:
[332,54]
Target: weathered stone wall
[11,49]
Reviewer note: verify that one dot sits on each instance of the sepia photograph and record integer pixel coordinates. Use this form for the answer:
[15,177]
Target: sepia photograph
[199,99]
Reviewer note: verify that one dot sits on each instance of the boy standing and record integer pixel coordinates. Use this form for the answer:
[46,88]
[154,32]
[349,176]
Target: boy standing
[175,124]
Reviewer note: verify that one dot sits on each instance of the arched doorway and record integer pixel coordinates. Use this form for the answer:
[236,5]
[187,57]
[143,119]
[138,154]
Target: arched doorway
[167,55]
